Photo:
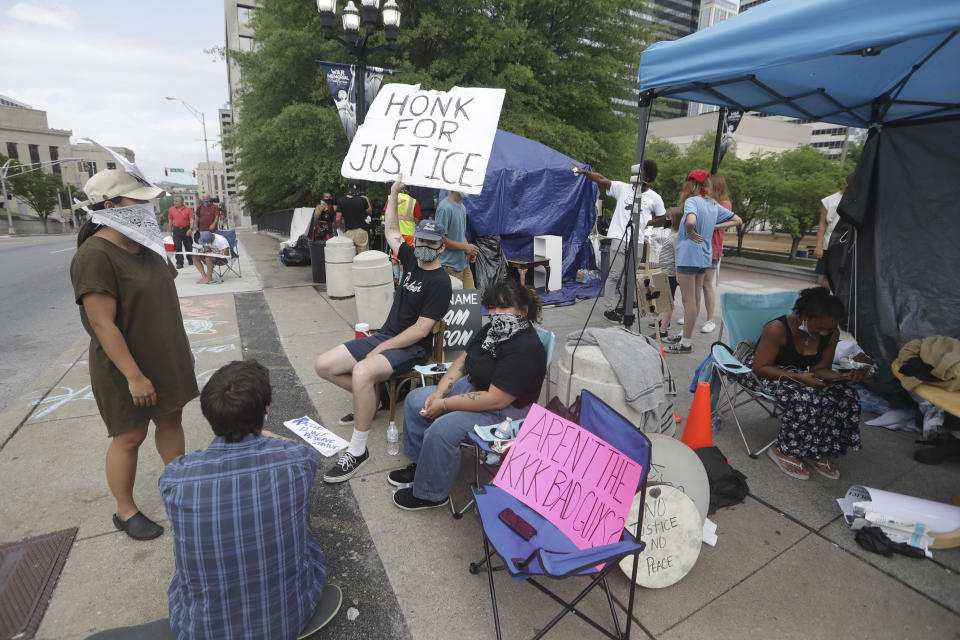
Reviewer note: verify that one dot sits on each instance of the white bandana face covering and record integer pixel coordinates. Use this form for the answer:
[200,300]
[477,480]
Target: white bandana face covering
[137,222]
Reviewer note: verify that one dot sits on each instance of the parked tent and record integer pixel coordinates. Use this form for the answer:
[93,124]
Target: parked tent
[531,190]
[884,64]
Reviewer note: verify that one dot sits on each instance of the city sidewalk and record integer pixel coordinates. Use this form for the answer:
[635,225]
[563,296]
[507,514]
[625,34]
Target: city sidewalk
[785,564]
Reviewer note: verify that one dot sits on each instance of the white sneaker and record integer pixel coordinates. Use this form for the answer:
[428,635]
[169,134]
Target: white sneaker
[680,322]
[709,326]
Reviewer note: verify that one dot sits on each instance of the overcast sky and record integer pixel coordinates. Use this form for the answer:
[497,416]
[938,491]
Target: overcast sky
[101,68]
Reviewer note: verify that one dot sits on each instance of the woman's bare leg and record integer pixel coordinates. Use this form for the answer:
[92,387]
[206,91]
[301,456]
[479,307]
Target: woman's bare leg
[122,469]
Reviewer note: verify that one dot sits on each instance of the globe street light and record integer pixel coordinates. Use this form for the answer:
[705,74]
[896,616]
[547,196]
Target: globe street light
[357,44]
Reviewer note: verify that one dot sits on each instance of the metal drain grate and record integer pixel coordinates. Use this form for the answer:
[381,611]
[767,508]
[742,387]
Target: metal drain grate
[28,573]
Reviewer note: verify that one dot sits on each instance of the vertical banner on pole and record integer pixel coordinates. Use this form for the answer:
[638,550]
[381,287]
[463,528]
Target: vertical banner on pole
[731,122]
[341,78]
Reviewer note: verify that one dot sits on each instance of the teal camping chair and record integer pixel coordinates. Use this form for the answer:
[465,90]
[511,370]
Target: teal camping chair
[481,447]
[743,316]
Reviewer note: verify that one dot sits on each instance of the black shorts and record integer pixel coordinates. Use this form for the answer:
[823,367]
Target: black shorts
[822,266]
[402,360]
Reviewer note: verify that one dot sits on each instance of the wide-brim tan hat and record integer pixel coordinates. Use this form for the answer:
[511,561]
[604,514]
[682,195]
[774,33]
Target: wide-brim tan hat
[115,183]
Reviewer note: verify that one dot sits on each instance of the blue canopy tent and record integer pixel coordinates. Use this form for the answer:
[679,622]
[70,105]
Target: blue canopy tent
[530,189]
[887,65]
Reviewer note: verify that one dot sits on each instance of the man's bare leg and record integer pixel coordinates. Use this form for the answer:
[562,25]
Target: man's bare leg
[367,373]
[336,366]
[204,278]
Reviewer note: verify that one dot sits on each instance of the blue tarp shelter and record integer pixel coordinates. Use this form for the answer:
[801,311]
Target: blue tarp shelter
[531,190]
[887,65]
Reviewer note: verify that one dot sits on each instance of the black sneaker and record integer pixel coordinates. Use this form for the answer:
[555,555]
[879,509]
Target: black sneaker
[405,499]
[346,465]
[403,477]
[347,419]
[613,316]
[677,347]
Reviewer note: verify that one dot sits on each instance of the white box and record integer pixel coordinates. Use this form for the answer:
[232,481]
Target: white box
[549,247]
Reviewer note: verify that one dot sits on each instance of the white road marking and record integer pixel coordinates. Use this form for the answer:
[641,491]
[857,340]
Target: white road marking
[62,250]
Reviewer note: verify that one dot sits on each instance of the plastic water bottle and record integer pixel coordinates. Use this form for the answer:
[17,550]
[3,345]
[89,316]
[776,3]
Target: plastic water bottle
[393,439]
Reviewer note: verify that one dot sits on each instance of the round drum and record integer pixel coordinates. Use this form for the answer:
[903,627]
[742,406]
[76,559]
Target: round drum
[674,463]
[673,532]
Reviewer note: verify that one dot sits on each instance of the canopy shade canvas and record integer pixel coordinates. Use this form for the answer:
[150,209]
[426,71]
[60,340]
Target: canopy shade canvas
[849,62]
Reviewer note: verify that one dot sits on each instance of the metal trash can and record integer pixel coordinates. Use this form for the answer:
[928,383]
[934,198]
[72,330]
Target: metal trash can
[317,261]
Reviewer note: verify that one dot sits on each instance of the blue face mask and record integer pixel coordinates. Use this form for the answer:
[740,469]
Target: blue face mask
[206,202]
[803,327]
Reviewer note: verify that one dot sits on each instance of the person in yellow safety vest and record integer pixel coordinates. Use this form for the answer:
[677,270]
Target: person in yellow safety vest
[408,210]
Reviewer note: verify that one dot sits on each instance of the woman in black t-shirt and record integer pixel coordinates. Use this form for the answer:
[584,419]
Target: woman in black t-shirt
[498,377]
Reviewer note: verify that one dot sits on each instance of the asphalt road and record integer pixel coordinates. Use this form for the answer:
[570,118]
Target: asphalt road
[38,318]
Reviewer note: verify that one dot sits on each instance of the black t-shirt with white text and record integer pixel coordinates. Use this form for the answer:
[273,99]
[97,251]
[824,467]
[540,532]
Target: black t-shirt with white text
[354,212]
[421,292]
[518,369]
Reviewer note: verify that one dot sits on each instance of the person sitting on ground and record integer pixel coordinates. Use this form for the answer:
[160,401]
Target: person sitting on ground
[498,377]
[404,340]
[247,563]
[218,247]
[793,362]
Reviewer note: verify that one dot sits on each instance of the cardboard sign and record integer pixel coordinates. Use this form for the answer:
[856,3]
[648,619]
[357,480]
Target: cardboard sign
[439,139]
[673,531]
[316,435]
[463,320]
[578,482]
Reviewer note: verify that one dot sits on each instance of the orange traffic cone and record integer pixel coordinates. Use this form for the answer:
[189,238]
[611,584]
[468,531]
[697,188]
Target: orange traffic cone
[697,432]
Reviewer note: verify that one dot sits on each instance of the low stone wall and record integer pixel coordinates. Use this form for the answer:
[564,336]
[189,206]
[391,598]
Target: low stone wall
[33,226]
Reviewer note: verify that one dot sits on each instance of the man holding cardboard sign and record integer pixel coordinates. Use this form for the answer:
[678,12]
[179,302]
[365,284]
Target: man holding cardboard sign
[404,340]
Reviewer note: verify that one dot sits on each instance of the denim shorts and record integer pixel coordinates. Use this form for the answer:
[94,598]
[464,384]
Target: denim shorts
[402,360]
[691,271]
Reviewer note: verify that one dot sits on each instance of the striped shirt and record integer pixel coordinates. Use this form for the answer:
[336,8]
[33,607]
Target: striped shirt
[667,259]
[247,564]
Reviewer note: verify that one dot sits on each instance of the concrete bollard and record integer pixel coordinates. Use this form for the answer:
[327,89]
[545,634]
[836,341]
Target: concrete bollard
[373,287]
[338,260]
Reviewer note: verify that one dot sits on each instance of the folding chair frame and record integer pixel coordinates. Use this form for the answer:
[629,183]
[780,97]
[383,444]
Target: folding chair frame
[729,401]
[222,268]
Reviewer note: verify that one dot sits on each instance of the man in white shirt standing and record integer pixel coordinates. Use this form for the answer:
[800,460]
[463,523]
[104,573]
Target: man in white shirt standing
[651,210]
[218,247]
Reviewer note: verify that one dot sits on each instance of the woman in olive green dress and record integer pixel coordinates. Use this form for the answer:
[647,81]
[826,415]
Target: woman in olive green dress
[141,366]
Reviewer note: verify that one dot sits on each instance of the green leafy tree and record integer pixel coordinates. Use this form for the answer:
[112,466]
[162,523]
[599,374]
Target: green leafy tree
[36,188]
[803,176]
[562,63]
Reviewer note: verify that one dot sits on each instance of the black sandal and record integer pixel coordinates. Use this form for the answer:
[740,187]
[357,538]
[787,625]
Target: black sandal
[138,526]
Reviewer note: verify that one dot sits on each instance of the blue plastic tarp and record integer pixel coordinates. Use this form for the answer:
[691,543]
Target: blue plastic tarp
[828,60]
[531,190]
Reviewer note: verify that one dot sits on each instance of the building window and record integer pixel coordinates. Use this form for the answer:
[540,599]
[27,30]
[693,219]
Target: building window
[111,165]
[34,153]
[54,156]
[12,151]
[246,43]
[244,14]
[91,168]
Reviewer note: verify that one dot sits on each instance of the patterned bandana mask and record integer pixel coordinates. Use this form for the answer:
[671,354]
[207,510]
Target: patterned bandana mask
[503,326]
[137,222]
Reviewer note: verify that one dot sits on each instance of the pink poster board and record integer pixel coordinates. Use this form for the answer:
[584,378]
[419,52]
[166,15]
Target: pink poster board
[578,482]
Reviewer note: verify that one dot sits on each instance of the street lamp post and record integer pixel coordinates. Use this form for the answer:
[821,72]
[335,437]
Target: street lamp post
[3,189]
[353,41]
[203,121]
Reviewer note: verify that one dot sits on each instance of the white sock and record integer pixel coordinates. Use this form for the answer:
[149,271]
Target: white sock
[358,443]
[686,342]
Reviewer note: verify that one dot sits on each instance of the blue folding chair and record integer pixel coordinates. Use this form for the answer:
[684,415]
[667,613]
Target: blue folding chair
[232,264]
[549,552]
[743,316]
[480,446]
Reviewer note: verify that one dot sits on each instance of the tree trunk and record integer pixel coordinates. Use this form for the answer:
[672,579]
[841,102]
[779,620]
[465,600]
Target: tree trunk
[794,243]
[44,218]
[741,232]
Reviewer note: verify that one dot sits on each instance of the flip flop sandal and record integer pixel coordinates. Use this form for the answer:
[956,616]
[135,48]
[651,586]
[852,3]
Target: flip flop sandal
[326,609]
[825,468]
[788,466]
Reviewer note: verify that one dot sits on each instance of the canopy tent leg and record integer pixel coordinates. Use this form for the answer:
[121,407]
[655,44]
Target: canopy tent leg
[721,121]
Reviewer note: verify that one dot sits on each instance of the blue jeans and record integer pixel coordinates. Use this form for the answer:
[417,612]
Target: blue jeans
[435,444]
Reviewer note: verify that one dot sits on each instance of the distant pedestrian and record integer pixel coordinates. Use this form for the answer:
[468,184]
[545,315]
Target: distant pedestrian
[141,367]
[828,221]
[701,214]
[179,222]
[324,218]
[719,185]
[246,562]
[459,253]
[208,215]
[408,209]
[353,212]
[668,264]
[218,248]
[651,210]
